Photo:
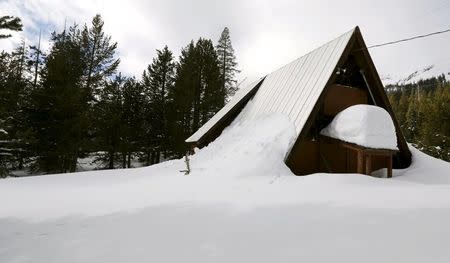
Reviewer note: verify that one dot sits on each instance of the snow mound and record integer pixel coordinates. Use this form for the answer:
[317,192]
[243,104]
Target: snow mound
[425,169]
[365,125]
[245,147]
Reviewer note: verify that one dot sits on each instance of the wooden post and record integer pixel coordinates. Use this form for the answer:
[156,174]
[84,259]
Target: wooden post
[364,156]
[389,168]
[368,164]
[360,166]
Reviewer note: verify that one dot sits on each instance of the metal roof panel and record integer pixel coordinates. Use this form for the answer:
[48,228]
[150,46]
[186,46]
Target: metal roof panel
[292,89]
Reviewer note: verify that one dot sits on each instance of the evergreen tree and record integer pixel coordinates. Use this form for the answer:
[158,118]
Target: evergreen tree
[181,98]
[212,92]
[98,54]
[108,119]
[158,80]
[4,62]
[435,128]
[36,59]
[4,155]
[411,126]
[14,93]
[198,92]
[132,119]
[425,122]
[59,108]
[119,121]
[227,62]
[10,23]
[402,108]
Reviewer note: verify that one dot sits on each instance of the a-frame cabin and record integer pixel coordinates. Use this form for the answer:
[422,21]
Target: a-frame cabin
[311,91]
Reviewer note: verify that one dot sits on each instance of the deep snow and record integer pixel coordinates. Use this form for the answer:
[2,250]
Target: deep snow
[239,204]
[364,125]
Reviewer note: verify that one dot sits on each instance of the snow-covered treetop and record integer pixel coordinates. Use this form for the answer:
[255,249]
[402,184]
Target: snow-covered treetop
[364,125]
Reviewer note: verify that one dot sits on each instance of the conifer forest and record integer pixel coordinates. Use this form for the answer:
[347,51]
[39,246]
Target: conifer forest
[72,102]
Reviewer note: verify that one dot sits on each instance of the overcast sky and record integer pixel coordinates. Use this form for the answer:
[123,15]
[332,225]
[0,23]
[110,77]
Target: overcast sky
[265,34]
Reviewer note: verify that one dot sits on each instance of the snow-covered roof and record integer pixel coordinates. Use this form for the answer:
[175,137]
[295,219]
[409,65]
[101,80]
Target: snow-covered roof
[240,95]
[292,90]
[365,125]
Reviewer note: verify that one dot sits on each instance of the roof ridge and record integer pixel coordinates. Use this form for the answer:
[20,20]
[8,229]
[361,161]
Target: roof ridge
[315,49]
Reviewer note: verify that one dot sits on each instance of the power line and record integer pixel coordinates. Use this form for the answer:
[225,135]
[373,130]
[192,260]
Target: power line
[409,39]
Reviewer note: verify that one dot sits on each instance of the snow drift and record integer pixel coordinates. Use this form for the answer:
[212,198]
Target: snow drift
[364,125]
[235,206]
[257,146]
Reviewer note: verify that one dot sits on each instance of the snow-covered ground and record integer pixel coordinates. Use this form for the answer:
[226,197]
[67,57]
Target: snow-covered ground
[239,204]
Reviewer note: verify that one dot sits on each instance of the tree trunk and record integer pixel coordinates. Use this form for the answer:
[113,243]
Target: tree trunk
[111,160]
[20,161]
[124,160]
[129,160]
[147,159]
[158,155]
[73,163]
[152,161]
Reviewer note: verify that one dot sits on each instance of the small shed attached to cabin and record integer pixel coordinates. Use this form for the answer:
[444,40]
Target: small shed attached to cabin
[311,91]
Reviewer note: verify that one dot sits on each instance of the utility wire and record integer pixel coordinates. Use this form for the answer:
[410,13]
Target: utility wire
[409,39]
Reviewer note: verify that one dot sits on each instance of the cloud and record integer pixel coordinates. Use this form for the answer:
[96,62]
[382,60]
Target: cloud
[265,34]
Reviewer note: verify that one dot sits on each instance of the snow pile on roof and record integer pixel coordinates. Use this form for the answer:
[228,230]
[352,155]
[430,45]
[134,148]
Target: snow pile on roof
[248,146]
[364,125]
[235,100]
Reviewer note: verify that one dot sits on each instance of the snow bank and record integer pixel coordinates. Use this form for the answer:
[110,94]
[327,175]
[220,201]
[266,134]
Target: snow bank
[234,207]
[365,125]
[425,169]
[254,149]
[246,148]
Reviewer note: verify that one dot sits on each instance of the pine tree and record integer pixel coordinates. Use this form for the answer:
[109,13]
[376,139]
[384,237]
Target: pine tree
[4,72]
[99,55]
[10,23]
[402,108]
[132,113]
[14,93]
[181,99]
[436,130]
[5,155]
[198,92]
[107,115]
[213,93]
[411,126]
[36,60]
[58,112]
[158,80]
[227,62]
[119,116]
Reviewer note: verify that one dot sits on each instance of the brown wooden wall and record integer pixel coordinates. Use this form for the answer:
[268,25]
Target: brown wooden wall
[313,155]
[340,97]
